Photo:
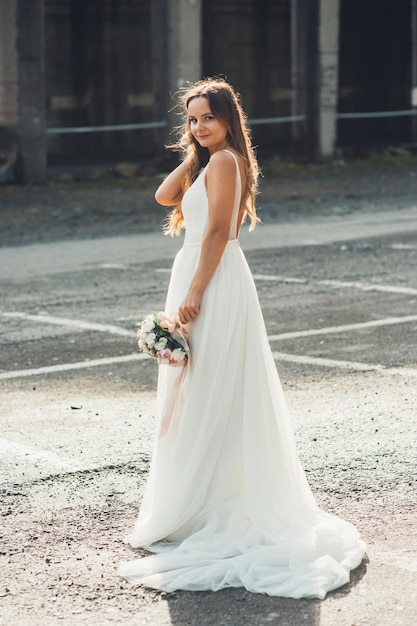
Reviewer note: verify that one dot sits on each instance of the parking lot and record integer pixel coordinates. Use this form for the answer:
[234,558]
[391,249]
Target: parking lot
[339,292]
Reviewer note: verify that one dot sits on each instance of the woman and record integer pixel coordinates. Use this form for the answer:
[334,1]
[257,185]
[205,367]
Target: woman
[227,503]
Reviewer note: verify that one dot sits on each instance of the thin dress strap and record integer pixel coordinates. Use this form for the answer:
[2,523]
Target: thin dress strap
[236,205]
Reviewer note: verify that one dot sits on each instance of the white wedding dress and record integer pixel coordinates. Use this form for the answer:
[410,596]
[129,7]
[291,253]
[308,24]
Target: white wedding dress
[227,503]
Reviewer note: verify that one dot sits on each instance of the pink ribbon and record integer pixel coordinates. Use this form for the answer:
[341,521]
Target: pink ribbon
[167,416]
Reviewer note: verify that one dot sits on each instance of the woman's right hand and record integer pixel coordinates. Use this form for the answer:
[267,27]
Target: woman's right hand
[190,307]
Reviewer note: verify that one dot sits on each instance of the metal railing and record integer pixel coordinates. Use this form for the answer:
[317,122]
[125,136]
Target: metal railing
[100,129]
[252,122]
[370,114]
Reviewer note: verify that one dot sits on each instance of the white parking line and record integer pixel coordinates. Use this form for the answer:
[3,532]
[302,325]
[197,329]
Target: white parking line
[403,246]
[326,330]
[63,321]
[345,365]
[116,330]
[281,279]
[111,329]
[340,284]
[278,356]
[337,284]
[63,367]
[313,360]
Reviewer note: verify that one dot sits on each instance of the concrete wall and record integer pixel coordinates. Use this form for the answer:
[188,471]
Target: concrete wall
[22,122]
[249,42]
[8,92]
[31,93]
[99,72]
[117,62]
[8,63]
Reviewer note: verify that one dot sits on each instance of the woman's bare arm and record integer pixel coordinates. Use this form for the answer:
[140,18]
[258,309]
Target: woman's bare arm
[221,178]
[169,193]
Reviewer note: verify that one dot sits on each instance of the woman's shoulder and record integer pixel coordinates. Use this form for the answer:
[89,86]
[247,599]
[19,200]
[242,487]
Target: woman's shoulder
[222,156]
[224,163]
[225,159]
[221,161]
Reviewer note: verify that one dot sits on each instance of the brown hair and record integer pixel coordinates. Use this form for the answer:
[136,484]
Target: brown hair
[225,106]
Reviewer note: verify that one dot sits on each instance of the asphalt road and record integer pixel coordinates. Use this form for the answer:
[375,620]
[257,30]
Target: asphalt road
[339,295]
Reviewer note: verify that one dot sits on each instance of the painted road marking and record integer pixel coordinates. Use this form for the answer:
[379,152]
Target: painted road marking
[347,365]
[111,329]
[326,330]
[403,246]
[340,284]
[116,330]
[281,279]
[279,356]
[337,284]
[63,321]
[63,367]
[266,277]
[407,372]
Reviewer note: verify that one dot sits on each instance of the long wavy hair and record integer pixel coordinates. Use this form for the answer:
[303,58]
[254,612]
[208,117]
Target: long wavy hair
[226,107]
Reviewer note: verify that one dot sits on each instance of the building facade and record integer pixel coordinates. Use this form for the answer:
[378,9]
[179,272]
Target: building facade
[94,80]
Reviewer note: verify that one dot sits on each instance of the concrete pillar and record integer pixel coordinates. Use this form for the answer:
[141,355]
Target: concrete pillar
[160,80]
[184,45]
[184,41]
[414,65]
[176,27]
[8,91]
[305,75]
[31,92]
[8,63]
[329,71]
[22,108]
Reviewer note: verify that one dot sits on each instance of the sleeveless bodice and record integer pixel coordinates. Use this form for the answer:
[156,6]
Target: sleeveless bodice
[195,207]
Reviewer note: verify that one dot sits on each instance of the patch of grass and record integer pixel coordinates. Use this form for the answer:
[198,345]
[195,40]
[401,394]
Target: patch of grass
[384,158]
[278,167]
[281,167]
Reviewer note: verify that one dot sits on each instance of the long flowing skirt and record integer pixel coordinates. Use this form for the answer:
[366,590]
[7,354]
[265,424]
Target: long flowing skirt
[227,503]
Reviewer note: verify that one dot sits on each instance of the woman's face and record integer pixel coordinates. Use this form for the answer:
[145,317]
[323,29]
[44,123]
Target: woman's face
[210,132]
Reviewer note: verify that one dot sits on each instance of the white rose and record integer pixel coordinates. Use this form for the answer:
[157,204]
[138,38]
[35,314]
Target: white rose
[177,355]
[161,344]
[150,340]
[147,325]
[142,341]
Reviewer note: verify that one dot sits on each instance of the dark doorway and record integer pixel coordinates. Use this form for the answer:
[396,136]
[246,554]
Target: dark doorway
[98,73]
[248,41]
[375,70]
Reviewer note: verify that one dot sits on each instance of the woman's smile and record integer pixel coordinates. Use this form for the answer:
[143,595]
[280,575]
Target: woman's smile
[210,132]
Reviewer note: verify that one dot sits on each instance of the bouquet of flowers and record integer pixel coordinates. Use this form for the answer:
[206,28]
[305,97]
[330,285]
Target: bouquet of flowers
[163,339]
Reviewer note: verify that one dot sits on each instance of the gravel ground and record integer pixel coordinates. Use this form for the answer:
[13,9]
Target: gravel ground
[107,206]
[61,534]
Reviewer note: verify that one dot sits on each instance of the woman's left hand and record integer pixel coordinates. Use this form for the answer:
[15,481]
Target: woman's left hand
[190,307]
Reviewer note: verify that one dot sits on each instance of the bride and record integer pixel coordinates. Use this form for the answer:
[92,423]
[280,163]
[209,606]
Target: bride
[227,503]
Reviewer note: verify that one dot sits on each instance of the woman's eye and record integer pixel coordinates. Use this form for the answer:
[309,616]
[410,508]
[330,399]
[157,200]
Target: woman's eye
[207,118]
